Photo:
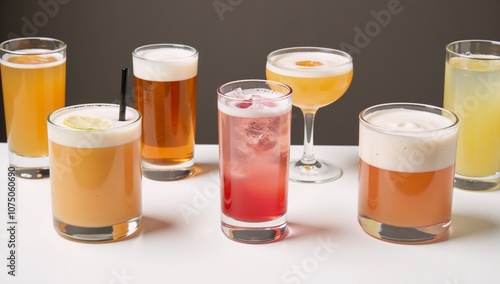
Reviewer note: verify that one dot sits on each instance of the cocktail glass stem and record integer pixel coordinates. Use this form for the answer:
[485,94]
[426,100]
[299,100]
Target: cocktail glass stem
[308,168]
[308,155]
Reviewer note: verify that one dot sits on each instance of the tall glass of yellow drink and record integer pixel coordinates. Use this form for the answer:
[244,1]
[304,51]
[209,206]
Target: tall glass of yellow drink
[318,77]
[472,91]
[33,83]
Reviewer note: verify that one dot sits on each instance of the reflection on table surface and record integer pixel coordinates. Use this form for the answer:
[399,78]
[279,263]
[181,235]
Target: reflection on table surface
[181,241]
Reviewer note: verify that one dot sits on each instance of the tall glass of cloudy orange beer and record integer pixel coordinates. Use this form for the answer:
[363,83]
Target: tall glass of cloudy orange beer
[165,77]
[95,162]
[33,83]
[406,171]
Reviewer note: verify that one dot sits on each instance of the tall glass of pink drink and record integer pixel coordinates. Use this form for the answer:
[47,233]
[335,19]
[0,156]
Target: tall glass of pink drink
[254,148]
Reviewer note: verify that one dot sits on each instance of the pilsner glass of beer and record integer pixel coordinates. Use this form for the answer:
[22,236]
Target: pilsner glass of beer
[165,78]
[33,83]
[406,170]
[95,164]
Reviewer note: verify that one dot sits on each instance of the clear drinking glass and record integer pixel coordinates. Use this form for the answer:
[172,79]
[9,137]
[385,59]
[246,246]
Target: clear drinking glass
[165,79]
[95,164]
[318,77]
[472,92]
[406,169]
[34,84]
[254,148]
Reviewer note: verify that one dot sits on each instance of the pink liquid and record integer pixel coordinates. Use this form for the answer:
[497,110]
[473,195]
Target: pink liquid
[254,155]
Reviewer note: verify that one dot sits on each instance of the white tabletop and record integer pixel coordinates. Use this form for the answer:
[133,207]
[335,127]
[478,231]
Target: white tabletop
[326,244]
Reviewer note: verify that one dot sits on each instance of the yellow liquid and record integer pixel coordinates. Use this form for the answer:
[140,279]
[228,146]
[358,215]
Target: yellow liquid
[313,93]
[96,187]
[30,94]
[472,92]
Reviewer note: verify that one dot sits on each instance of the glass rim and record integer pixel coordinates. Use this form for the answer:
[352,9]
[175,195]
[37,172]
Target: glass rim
[483,41]
[42,52]
[262,81]
[194,51]
[79,106]
[413,106]
[308,49]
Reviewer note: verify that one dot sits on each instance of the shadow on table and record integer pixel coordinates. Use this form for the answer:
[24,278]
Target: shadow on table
[297,230]
[206,168]
[468,225]
[151,225]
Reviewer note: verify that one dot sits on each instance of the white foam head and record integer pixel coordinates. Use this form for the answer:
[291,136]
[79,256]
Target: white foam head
[254,103]
[121,133]
[331,64]
[407,140]
[165,63]
[43,53]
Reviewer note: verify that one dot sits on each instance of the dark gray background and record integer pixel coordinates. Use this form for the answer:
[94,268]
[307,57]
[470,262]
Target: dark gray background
[398,46]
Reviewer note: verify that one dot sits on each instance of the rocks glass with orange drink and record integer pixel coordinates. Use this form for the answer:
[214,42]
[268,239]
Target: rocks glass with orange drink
[406,168]
[34,82]
[254,147]
[318,77]
[472,91]
[165,78]
[95,162]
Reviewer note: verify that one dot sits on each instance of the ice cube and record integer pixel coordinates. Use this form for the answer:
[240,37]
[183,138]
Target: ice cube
[266,142]
[238,93]
[256,98]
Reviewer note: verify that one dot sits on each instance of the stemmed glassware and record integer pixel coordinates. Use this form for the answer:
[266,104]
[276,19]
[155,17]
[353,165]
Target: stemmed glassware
[318,77]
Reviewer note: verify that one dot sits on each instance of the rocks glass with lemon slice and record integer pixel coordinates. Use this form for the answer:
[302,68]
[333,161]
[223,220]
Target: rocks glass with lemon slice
[95,163]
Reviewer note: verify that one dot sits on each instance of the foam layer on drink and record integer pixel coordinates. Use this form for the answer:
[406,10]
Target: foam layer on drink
[32,59]
[309,64]
[254,103]
[120,133]
[407,140]
[165,64]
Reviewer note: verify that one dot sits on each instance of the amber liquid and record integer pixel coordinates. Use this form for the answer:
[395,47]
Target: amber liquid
[168,120]
[30,95]
[313,93]
[96,187]
[405,199]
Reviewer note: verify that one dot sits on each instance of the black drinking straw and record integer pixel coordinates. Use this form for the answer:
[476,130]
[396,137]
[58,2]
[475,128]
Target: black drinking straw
[123,106]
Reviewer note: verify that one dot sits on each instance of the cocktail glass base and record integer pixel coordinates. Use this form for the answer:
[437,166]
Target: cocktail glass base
[317,172]
[30,167]
[98,234]
[489,183]
[405,235]
[168,173]
[254,232]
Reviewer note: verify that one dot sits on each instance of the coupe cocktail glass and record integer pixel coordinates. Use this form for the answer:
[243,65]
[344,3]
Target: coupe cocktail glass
[318,77]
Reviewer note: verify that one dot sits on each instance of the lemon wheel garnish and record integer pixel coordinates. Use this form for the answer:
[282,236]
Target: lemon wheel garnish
[87,123]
